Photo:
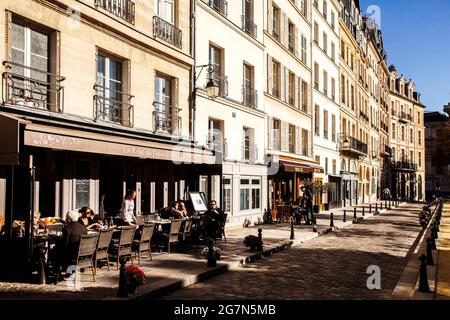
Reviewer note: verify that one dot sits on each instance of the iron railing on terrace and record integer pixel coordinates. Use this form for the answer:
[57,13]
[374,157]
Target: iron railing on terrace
[403,165]
[166,119]
[405,117]
[249,26]
[124,9]
[113,106]
[351,144]
[32,88]
[167,32]
[249,97]
[220,6]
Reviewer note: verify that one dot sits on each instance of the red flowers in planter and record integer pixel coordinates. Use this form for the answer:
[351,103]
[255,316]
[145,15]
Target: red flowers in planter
[134,275]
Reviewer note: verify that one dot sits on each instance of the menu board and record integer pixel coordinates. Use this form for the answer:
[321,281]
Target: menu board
[198,201]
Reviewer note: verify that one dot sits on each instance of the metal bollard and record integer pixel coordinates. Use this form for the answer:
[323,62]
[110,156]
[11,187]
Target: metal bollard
[292,237]
[260,245]
[376,207]
[363,212]
[331,219]
[354,213]
[423,282]
[122,292]
[430,261]
[345,216]
[370,208]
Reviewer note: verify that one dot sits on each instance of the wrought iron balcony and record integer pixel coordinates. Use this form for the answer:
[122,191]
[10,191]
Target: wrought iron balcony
[220,6]
[219,80]
[387,152]
[124,9]
[167,32]
[404,117]
[249,26]
[113,106]
[32,88]
[166,119]
[403,165]
[249,152]
[351,145]
[384,127]
[276,92]
[249,97]
[363,116]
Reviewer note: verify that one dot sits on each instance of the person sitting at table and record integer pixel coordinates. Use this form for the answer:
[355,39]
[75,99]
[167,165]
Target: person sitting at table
[86,219]
[127,210]
[178,210]
[214,220]
[71,236]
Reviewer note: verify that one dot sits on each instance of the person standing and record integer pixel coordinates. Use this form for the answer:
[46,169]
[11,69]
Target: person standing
[127,211]
[307,204]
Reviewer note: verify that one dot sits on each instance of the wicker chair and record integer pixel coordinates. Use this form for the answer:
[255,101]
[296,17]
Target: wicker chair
[144,243]
[123,247]
[172,237]
[186,234]
[101,253]
[222,228]
[86,252]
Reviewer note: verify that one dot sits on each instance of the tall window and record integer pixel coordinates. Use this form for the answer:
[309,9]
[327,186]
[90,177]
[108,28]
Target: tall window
[304,93]
[165,9]
[276,143]
[226,194]
[333,89]
[419,138]
[245,194]
[248,92]
[325,83]
[325,42]
[256,194]
[305,143]
[291,88]
[333,128]
[325,124]
[291,138]
[334,166]
[316,32]
[304,7]
[304,50]
[291,36]
[317,120]
[411,136]
[325,9]
[333,20]
[333,51]
[403,133]
[316,76]
[420,159]
[109,87]
[343,89]
[246,143]
[82,184]
[326,165]
[276,23]
[393,131]
[163,103]
[276,78]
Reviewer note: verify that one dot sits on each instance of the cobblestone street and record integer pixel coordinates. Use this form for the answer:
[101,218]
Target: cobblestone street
[330,267]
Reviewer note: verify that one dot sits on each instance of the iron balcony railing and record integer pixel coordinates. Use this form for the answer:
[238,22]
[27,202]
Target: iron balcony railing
[167,32]
[166,119]
[249,26]
[387,151]
[249,152]
[363,116]
[405,117]
[384,127]
[113,106]
[276,92]
[403,165]
[33,88]
[219,80]
[393,113]
[220,6]
[350,144]
[124,9]
[249,97]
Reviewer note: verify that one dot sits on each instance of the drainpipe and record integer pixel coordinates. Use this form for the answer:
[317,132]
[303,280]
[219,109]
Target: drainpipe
[193,90]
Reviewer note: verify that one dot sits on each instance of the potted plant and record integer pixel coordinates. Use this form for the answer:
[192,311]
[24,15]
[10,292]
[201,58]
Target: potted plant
[212,254]
[134,277]
[255,243]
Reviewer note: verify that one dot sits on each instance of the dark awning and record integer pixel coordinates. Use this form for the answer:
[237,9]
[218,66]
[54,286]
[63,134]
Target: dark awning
[301,167]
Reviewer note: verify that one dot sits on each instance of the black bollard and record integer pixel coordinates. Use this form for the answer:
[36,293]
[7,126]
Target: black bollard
[122,292]
[345,216]
[354,213]
[292,237]
[376,207]
[423,282]
[211,256]
[260,245]
[370,208]
[432,242]
[331,219]
[430,261]
[363,213]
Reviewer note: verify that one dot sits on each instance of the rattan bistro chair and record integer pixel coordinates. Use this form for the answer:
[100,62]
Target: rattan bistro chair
[123,247]
[187,230]
[144,243]
[172,237]
[86,252]
[101,253]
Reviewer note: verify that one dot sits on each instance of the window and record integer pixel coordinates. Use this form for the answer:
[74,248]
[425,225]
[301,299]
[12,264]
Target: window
[304,7]
[325,9]
[165,9]
[343,89]
[333,128]
[292,138]
[246,144]
[304,49]
[82,184]
[256,193]
[420,159]
[403,133]
[325,43]
[411,136]
[333,89]
[316,32]
[418,117]
[334,166]
[325,124]
[276,78]
[291,89]
[333,20]
[325,83]
[249,95]
[316,76]
[317,158]
[227,194]
[291,36]
[109,88]
[419,138]
[317,120]
[304,92]
[333,51]
[276,23]
[164,113]
[393,131]
[276,143]
[216,60]
[305,142]
[250,194]
[245,194]
[326,165]
[316,3]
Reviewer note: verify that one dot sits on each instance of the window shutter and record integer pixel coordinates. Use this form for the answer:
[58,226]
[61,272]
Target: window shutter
[296,41]
[309,102]
[282,83]
[55,69]
[126,87]
[298,138]
[296,93]
[310,144]
[175,101]
[284,136]
[270,129]
[8,35]
[285,34]
[269,16]
[269,74]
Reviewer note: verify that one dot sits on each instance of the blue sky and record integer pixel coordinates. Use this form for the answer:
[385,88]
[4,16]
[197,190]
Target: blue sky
[416,36]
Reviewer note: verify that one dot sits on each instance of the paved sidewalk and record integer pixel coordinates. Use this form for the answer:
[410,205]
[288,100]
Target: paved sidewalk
[442,291]
[168,273]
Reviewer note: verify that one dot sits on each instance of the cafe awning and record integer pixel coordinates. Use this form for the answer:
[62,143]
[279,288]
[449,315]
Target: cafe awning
[9,139]
[300,166]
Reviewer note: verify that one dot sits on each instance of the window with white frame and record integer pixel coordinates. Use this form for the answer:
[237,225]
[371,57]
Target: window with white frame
[250,194]
[227,194]
[165,9]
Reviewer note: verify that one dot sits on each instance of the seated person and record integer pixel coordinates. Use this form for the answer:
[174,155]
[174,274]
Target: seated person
[71,237]
[215,220]
[178,210]
[86,219]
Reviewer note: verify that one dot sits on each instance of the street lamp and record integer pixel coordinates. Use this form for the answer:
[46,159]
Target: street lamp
[212,90]
[346,144]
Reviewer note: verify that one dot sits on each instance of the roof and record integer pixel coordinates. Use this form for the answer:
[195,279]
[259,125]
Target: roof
[435,117]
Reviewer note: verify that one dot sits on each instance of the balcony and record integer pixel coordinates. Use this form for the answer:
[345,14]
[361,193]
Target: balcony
[363,116]
[221,6]
[113,106]
[32,88]
[353,146]
[124,9]
[276,92]
[249,26]
[404,165]
[393,113]
[167,32]
[249,152]
[166,119]
[249,97]
[387,152]
[384,127]
[219,80]
[404,117]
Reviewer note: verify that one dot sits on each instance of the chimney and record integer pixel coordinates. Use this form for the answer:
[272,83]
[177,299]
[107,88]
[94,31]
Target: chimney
[447,109]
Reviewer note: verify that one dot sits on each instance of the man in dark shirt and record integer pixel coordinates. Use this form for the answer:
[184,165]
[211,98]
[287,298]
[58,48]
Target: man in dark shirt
[72,234]
[307,204]
[215,220]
